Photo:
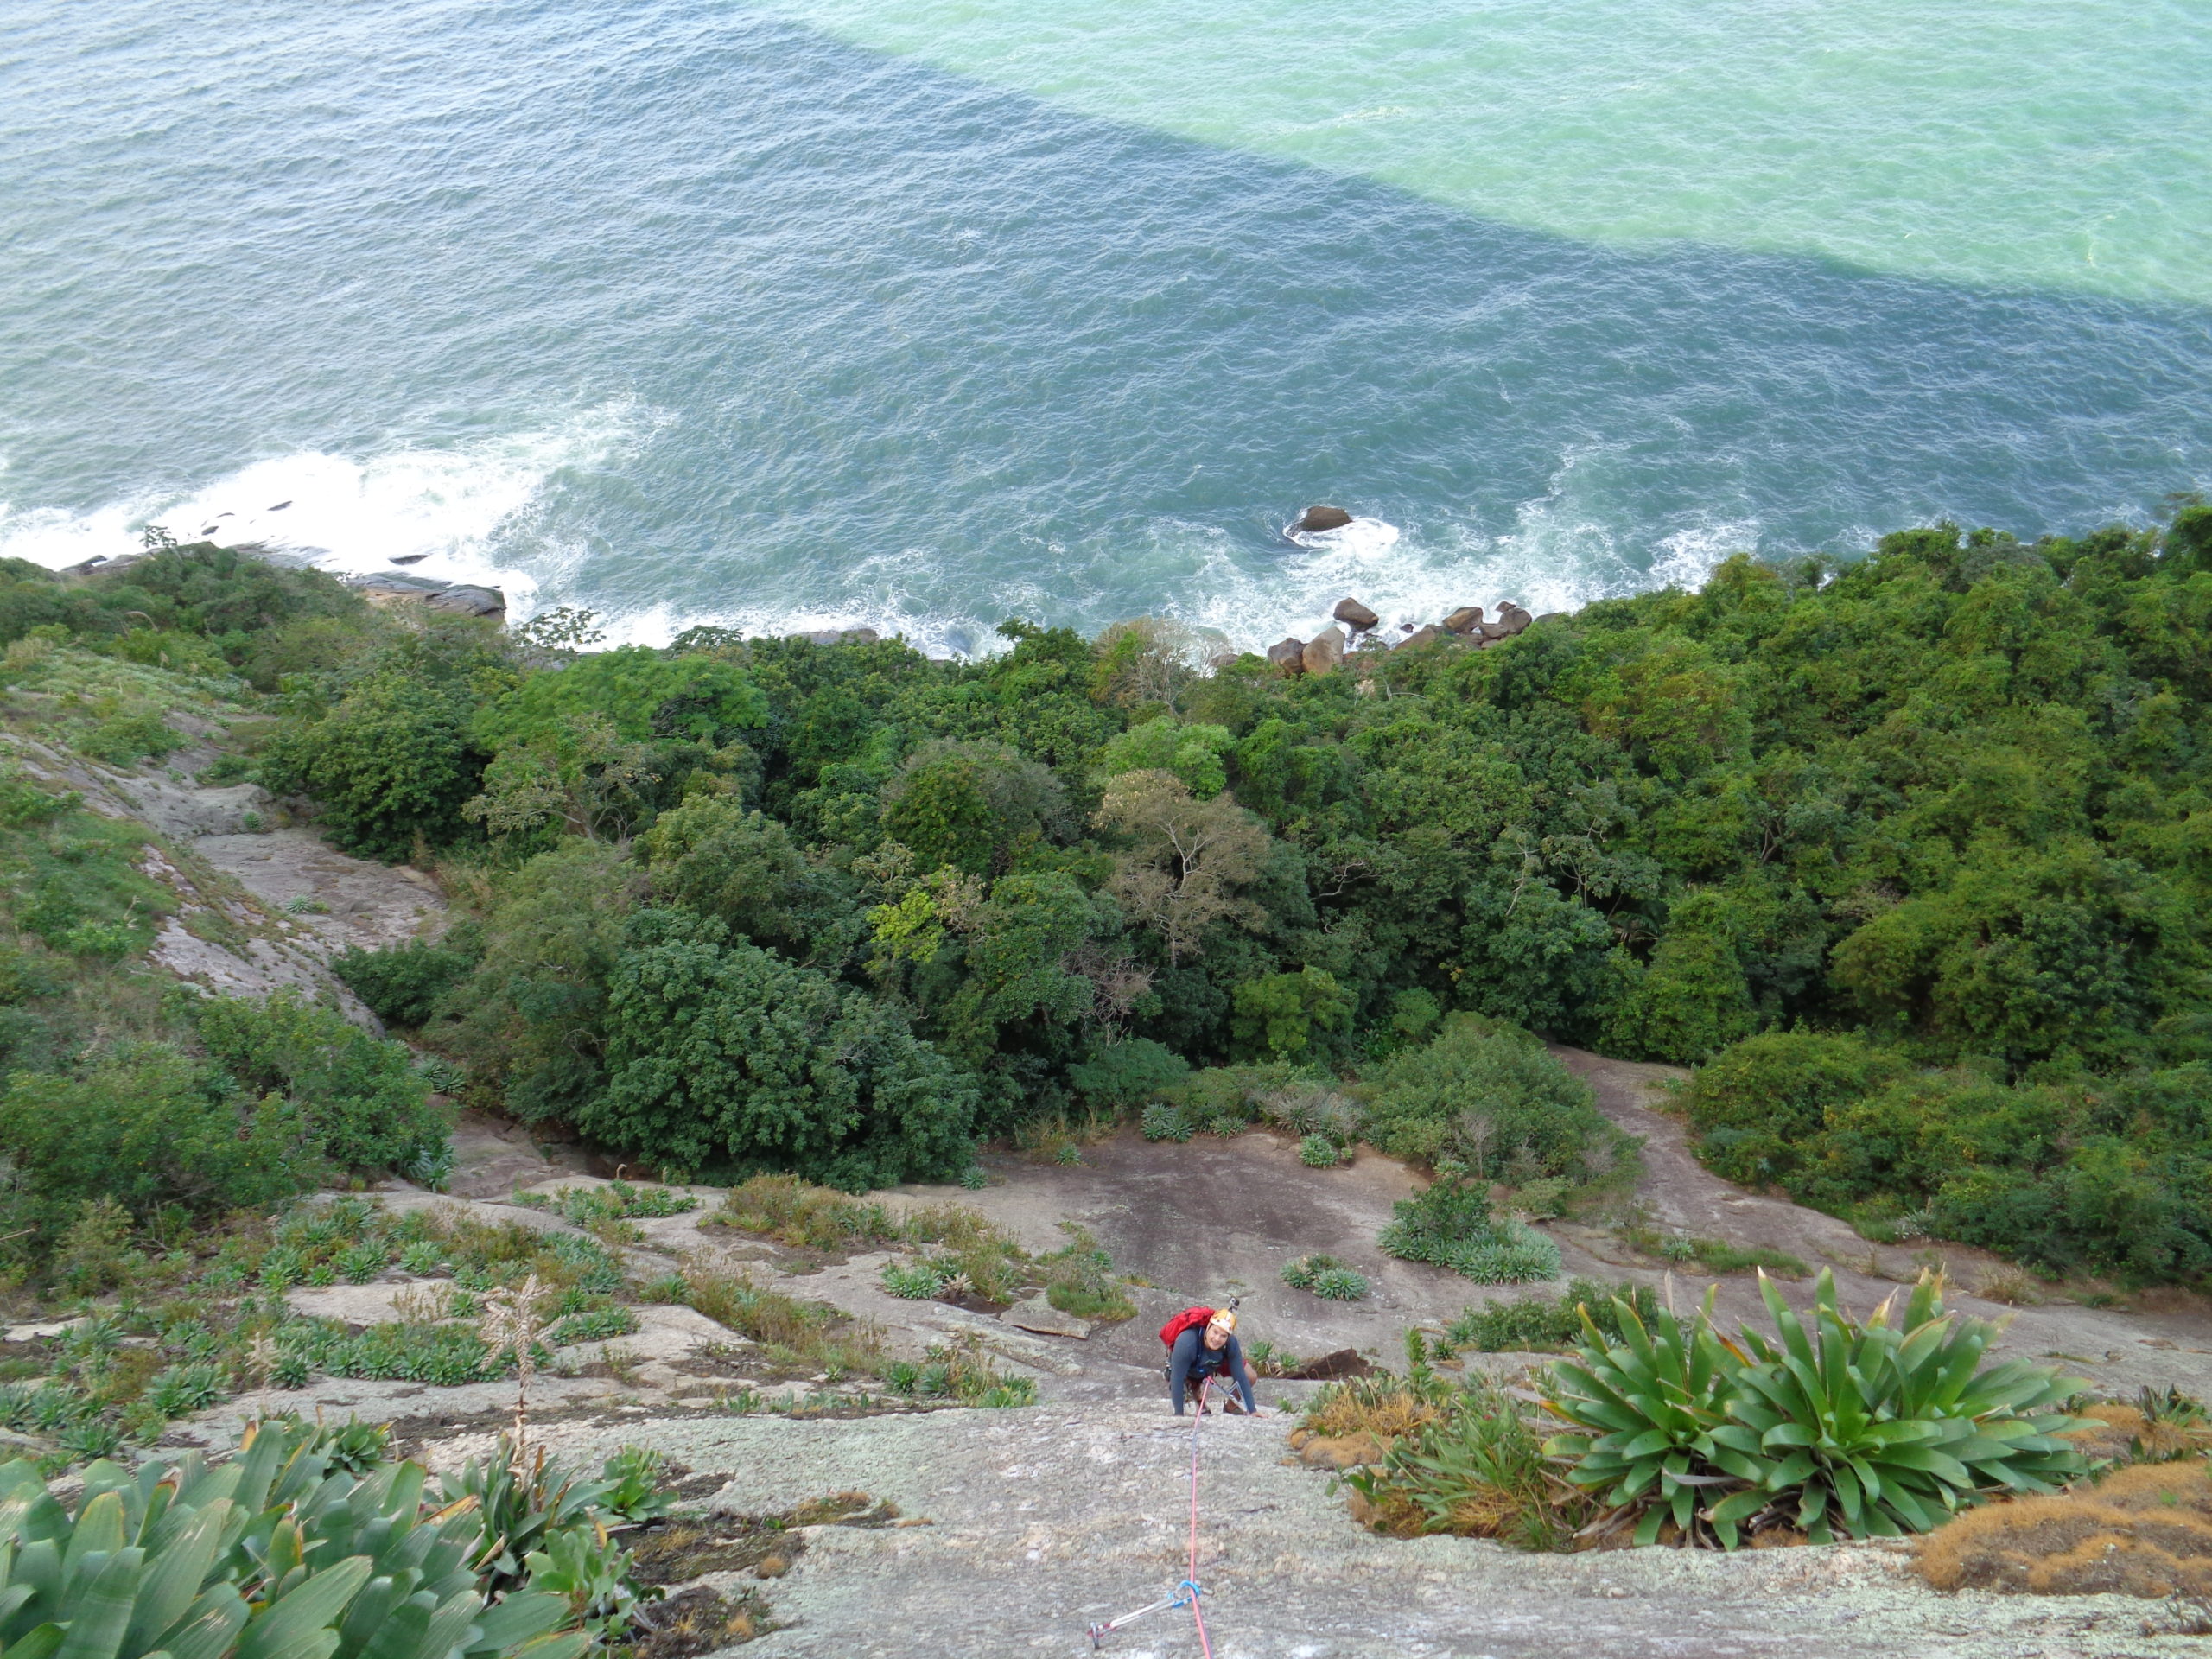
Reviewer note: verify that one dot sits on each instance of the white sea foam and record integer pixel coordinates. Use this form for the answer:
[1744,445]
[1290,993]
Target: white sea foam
[1562,551]
[453,512]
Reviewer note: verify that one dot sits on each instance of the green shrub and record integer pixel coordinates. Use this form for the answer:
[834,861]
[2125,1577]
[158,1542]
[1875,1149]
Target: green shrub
[1862,1428]
[1485,1092]
[402,983]
[1124,1075]
[530,1021]
[152,1129]
[390,764]
[1758,1107]
[1448,1224]
[730,1059]
[741,868]
[359,1097]
[1326,1277]
[1319,1152]
[1280,1016]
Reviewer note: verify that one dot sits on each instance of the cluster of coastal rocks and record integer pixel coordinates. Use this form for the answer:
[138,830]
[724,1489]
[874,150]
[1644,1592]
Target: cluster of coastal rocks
[1359,641]
[380,587]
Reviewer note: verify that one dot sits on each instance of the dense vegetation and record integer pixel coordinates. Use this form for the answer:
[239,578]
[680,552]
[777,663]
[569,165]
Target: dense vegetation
[1912,854]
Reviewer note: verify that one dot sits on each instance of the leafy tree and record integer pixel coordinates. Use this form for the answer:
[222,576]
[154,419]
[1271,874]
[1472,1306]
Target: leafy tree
[390,763]
[148,1127]
[1121,1076]
[742,867]
[1486,1093]
[1280,1016]
[530,1020]
[1194,754]
[1185,859]
[644,692]
[725,1058]
[972,806]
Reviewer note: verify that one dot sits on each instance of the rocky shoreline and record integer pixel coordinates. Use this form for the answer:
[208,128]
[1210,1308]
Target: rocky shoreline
[1359,643]
[1356,641]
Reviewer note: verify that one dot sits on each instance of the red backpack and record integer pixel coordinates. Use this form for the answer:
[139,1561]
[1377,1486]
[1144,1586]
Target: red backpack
[1182,1322]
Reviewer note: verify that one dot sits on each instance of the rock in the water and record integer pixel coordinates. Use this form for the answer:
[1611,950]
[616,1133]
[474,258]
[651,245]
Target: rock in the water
[1423,636]
[1038,1315]
[1552,616]
[861,636]
[1514,617]
[1319,518]
[1325,651]
[1466,619]
[469,602]
[1288,655]
[408,558]
[1355,615]
[1221,659]
[1493,630]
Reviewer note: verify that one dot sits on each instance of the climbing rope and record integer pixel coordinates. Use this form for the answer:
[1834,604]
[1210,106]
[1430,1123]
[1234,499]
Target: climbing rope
[1187,1592]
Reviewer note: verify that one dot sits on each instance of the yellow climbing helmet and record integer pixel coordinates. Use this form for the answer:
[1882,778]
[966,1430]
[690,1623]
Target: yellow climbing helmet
[1223,1316]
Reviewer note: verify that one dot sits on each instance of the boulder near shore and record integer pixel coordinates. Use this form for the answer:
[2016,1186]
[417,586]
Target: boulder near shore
[1317,518]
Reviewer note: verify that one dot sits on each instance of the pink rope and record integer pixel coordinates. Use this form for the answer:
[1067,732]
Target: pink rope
[1206,1647]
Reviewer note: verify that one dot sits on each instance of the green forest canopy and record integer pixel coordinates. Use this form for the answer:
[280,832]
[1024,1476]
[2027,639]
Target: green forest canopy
[1912,854]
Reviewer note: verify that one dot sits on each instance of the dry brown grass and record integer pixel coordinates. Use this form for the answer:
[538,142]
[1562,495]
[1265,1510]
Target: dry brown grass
[2118,1433]
[809,1333]
[2141,1531]
[1383,1407]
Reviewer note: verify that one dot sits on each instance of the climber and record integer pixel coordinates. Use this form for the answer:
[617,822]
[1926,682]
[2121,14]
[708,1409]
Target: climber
[1201,1344]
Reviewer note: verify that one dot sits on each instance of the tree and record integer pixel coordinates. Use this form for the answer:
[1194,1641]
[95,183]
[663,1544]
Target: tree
[580,777]
[970,805]
[1185,859]
[390,764]
[1278,1015]
[740,867]
[530,1020]
[724,1057]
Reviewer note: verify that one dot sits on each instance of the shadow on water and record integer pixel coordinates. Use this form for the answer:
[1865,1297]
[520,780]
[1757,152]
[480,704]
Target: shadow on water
[906,333]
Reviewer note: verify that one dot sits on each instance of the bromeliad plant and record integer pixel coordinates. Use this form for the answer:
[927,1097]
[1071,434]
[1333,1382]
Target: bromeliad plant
[1833,1426]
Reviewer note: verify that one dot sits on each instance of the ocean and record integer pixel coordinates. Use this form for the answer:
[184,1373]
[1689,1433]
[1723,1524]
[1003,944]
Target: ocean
[921,314]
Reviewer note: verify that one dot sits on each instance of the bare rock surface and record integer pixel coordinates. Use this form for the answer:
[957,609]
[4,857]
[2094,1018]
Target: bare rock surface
[1035,1313]
[342,902]
[1045,1520]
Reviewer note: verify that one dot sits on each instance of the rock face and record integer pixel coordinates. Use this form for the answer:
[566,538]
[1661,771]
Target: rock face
[1319,518]
[1422,636]
[1325,651]
[469,602]
[1355,615]
[1288,655]
[1038,1315]
[1514,617]
[1466,619]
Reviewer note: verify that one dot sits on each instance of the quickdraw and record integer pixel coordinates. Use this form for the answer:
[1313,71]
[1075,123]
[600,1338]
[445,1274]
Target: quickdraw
[1187,1592]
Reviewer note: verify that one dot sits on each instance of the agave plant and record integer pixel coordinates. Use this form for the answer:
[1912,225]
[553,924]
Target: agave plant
[271,1556]
[1648,1412]
[1880,1429]
[1870,1428]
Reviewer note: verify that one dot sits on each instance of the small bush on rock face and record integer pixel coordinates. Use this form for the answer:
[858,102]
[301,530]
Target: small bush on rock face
[1164,1122]
[403,982]
[1326,1277]
[1481,1093]
[1449,1225]
[1319,1152]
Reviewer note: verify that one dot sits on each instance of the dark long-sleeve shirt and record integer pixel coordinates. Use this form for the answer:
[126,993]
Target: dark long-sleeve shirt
[1191,1361]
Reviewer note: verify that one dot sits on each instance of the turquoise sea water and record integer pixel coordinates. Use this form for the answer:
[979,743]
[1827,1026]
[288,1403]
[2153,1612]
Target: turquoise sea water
[917,314]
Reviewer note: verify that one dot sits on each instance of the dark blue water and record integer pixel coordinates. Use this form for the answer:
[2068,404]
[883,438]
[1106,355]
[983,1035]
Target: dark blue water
[684,315]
